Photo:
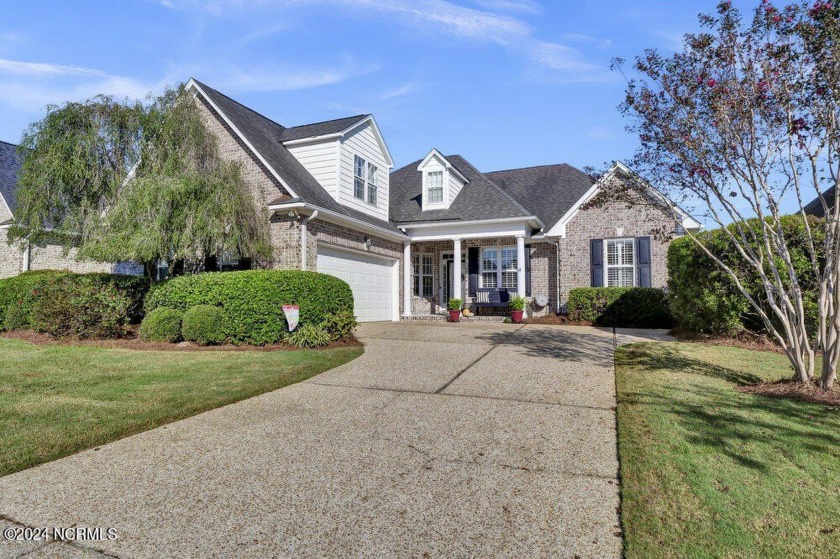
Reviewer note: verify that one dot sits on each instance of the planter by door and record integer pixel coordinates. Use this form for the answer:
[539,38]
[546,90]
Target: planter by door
[516,316]
[454,316]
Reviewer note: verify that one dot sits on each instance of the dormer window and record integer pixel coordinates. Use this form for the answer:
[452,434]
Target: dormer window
[365,178]
[434,187]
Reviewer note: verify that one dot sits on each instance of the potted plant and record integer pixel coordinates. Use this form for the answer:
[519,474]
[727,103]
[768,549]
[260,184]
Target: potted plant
[455,310]
[517,306]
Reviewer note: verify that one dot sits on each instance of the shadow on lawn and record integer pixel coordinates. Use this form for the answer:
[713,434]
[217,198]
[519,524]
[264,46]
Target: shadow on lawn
[753,431]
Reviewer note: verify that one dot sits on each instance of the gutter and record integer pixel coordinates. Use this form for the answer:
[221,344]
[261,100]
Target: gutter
[27,257]
[444,223]
[328,215]
[303,229]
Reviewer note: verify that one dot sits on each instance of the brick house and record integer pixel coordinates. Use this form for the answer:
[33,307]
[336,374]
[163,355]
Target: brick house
[335,207]
[438,228]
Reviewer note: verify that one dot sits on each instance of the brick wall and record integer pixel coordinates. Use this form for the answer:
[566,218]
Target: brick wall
[10,257]
[615,219]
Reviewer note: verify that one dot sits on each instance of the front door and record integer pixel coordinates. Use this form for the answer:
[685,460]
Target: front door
[447,277]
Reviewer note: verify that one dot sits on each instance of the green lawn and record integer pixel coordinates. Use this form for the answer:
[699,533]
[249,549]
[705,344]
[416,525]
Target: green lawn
[57,400]
[711,472]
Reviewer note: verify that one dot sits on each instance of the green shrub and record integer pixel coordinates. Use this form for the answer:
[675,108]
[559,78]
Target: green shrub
[204,325]
[252,299]
[162,325]
[308,336]
[80,307]
[340,325]
[23,290]
[455,304]
[20,292]
[626,307]
[703,297]
[517,303]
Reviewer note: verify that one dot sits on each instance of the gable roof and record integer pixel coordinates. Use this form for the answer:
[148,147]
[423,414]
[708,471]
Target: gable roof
[547,191]
[479,199]
[325,128]
[10,163]
[263,136]
[815,207]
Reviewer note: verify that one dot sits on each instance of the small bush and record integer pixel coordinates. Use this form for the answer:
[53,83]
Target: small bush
[162,325]
[253,299]
[455,304]
[626,307]
[308,336]
[80,307]
[204,325]
[517,303]
[340,325]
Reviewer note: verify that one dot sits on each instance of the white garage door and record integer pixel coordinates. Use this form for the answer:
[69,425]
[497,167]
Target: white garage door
[370,278]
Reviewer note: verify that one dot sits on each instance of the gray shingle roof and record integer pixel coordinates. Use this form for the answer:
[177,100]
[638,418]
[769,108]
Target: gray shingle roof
[815,208]
[10,163]
[265,135]
[548,191]
[479,199]
[320,128]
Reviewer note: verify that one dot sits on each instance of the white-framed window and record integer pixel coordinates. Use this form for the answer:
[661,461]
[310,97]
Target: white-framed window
[498,267]
[372,183]
[434,187]
[358,177]
[620,259]
[421,271]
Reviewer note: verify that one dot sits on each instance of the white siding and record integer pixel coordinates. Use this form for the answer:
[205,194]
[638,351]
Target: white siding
[321,160]
[455,186]
[363,143]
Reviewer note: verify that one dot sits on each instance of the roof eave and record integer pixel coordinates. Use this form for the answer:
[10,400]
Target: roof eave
[341,219]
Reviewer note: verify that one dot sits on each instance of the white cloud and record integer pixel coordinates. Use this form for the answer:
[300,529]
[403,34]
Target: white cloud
[400,91]
[518,6]
[490,25]
[286,78]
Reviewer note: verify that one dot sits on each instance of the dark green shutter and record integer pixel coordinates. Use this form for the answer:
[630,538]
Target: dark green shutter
[472,267]
[527,270]
[596,262]
[643,262]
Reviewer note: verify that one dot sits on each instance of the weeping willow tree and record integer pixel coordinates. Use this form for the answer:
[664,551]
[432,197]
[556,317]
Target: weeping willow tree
[128,181]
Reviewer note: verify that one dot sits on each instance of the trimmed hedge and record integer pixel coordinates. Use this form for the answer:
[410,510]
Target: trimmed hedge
[252,299]
[23,291]
[340,325]
[703,297]
[19,293]
[625,307]
[80,307]
[162,325]
[204,325]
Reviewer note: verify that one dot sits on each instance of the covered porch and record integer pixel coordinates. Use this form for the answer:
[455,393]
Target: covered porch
[440,266]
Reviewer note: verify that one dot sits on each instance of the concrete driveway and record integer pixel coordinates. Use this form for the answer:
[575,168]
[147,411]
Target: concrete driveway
[441,440]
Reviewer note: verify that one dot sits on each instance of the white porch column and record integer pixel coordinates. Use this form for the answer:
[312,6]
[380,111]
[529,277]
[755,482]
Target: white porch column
[520,265]
[456,273]
[407,279]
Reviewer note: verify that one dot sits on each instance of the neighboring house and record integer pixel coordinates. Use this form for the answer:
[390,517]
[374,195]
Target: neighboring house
[394,237]
[14,259]
[815,207]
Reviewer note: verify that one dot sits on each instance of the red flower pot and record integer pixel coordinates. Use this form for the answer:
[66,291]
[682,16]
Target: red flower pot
[454,316]
[516,316]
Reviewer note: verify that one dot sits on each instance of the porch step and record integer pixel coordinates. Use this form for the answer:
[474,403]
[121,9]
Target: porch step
[444,318]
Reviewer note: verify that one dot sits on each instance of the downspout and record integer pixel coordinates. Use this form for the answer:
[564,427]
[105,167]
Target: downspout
[303,244]
[27,252]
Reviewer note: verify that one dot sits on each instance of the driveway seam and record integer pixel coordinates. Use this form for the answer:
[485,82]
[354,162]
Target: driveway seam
[471,365]
[455,395]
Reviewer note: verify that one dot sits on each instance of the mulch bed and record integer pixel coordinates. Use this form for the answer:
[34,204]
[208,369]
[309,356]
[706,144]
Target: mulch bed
[794,390]
[131,341]
[744,340]
[556,320]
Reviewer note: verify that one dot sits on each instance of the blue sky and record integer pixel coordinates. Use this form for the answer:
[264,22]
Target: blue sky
[505,83]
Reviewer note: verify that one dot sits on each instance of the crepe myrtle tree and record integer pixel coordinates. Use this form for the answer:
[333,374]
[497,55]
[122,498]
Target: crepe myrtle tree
[743,120]
[131,181]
